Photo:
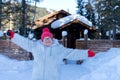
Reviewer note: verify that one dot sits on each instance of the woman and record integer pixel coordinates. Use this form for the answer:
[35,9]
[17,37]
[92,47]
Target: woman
[49,54]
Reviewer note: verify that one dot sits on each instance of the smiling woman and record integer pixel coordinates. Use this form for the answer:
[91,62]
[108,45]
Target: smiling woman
[56,5]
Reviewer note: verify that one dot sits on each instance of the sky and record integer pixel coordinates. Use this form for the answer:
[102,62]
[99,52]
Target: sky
[67,5]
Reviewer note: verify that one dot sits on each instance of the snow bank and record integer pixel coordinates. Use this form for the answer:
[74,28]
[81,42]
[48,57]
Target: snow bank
[105,66]
[11,69]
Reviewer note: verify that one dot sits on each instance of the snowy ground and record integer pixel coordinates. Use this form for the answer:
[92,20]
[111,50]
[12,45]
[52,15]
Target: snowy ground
[104,66]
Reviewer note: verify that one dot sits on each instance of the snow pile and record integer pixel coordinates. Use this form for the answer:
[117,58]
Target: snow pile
[14,70]
[105,66]
[70,18]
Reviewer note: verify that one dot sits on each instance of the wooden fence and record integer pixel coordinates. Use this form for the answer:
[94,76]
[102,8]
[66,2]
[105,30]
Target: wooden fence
[97,45]
[13,51]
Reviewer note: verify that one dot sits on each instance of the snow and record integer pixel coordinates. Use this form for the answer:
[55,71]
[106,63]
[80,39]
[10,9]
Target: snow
[1,33]
[31,35]
[64,33]
[85,31]
[104,66]
[60,22]
[14,70]
[111,32]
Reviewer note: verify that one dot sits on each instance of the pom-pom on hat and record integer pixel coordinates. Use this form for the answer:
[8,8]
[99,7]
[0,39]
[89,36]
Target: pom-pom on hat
[46,33]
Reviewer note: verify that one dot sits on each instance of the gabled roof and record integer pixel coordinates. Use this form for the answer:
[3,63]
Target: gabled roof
[46,20]
[53,14]
[78,22]
[70,19]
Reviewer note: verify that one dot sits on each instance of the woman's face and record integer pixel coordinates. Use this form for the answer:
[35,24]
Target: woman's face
[47,41]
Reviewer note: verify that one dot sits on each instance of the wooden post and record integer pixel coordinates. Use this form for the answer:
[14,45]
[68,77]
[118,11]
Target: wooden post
[86,38]
[64,34]
[63,41]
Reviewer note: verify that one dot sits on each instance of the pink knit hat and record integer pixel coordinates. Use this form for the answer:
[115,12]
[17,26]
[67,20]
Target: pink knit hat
[46,33]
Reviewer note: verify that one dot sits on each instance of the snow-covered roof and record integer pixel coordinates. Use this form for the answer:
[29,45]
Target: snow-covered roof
[48,19]
[70,18]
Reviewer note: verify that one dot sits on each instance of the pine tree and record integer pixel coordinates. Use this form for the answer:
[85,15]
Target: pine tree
[108,15]
[90,13]
[12,12]
[86,10]
[80,7]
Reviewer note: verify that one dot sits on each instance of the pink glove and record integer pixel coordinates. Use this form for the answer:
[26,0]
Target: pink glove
[91,53]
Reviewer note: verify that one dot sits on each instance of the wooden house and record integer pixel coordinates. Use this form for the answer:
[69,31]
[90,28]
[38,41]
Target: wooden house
[46,21]
[75,30]
[75,27]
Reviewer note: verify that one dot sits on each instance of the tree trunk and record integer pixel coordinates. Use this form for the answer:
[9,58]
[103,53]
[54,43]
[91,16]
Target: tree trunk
[0,13]
[23,27]
[114,32]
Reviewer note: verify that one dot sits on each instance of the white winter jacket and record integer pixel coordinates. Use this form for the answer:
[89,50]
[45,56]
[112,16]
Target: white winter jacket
[47,60]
